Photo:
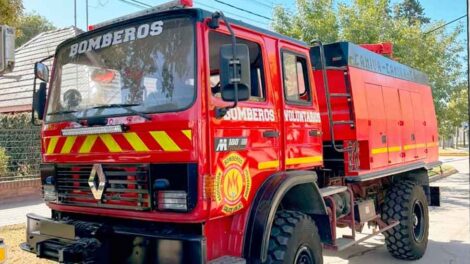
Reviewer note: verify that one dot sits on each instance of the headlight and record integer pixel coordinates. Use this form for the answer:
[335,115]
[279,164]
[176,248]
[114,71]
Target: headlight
[174,187]
[172,200]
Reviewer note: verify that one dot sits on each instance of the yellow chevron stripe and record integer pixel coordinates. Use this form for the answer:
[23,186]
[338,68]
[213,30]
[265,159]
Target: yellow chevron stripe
[110,143]
[188,134]
[52,144]
[69,141]
[135,141]
[272,164]
[303,160]
[88,144]
[165,141]
[432,144]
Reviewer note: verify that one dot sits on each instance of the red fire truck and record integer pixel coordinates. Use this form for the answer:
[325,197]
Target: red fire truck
[177,135]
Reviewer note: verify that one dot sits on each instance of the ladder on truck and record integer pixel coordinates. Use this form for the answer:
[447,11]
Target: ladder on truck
[352,148]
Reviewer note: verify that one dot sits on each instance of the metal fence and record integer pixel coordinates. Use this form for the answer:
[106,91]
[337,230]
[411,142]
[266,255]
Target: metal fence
[20,153]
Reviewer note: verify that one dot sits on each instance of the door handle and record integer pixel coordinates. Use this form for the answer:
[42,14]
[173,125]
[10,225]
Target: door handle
[314,133]
[271,134]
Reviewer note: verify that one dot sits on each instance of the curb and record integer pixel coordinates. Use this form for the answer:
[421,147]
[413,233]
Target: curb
[453,154]
[443,175]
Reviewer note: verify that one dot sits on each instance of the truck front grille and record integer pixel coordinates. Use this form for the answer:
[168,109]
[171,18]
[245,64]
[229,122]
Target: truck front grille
[127,186]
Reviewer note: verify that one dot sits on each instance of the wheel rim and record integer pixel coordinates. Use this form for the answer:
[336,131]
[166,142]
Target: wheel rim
[418,221]
[303,256]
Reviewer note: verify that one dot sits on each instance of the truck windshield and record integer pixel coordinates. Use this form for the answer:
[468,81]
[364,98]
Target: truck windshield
[146,67]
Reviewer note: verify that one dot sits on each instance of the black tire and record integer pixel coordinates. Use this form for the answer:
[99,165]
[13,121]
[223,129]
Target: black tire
[294,238]
[406,202]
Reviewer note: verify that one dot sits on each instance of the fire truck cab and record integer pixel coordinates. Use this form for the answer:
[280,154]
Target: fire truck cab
[177,135]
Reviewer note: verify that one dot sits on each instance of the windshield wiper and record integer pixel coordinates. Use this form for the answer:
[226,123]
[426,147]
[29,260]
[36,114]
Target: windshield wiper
[126,107]
[63,112]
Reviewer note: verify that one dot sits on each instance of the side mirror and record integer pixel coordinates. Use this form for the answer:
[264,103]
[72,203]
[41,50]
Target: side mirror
[39,100]
[41,71]
[242,76]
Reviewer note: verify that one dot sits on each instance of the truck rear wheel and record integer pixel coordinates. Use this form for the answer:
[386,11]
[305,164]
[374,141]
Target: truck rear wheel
[294,239]
[406,202]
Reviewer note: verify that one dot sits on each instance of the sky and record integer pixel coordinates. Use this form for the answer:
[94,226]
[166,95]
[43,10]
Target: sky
[255,12]
[61,12]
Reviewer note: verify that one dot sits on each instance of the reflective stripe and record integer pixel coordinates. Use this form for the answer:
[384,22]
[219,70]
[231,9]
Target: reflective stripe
[414,146]
[88,144]
[385,150]
[379,150]
[110,143]
[165,141]
[303,160]
[52,145]
[188,134]
[68,145]
[135,141]
[268,164]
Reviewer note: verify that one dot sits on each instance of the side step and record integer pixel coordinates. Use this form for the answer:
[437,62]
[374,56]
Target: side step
[330,190]
[228,260]
[344,242]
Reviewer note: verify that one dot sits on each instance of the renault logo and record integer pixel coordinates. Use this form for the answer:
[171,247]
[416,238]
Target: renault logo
[97,191]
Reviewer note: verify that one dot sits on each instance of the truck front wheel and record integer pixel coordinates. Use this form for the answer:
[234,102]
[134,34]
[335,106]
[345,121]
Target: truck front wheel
[294,239]
[406,202]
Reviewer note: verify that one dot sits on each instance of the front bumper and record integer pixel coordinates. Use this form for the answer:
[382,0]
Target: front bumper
[72,241]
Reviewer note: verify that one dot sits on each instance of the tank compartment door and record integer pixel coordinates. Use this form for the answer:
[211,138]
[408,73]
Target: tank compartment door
[393,115]
[419,121]
[408,126]
[377,126]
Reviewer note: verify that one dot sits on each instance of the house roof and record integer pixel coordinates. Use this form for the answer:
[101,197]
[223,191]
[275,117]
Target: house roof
[16,88]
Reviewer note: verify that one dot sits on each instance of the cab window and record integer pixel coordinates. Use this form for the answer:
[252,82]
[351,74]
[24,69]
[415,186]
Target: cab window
[295,78]
[258,88]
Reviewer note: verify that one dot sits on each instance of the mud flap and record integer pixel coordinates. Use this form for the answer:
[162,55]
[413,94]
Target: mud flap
[435,196]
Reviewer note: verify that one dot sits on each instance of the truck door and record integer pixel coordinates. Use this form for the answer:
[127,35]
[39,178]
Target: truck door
[244,143]
[302,128]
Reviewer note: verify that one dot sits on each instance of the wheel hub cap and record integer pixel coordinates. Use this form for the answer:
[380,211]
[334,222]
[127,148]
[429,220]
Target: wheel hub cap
[418,221]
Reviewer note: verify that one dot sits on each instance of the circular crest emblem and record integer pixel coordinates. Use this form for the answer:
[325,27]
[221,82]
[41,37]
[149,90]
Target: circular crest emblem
[232,183]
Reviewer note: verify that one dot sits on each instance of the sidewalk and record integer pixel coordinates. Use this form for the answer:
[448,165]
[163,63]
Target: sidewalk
[15,213]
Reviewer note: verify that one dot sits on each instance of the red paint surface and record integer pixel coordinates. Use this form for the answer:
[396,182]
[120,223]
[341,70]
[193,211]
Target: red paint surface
[382,106]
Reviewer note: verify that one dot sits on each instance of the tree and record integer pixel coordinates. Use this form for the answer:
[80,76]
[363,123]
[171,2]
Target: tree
[10,11]
[412,11]
[436,53]
[31,25]
[314,20]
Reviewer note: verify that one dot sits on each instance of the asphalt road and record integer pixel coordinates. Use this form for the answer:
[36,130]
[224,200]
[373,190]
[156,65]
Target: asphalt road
[449,235]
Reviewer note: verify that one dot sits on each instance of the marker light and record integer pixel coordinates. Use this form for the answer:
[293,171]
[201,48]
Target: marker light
[92,130]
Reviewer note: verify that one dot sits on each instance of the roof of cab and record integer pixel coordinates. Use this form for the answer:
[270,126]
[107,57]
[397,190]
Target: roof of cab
[200,14]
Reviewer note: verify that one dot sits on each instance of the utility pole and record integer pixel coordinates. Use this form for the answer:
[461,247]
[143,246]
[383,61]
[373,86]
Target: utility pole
[86,8]
[75,12]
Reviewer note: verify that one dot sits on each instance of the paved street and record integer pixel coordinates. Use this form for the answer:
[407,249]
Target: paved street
[449,234]
[449,240]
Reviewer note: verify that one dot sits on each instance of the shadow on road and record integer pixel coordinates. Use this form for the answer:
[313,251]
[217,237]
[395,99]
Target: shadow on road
[375,252]
[24,201]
